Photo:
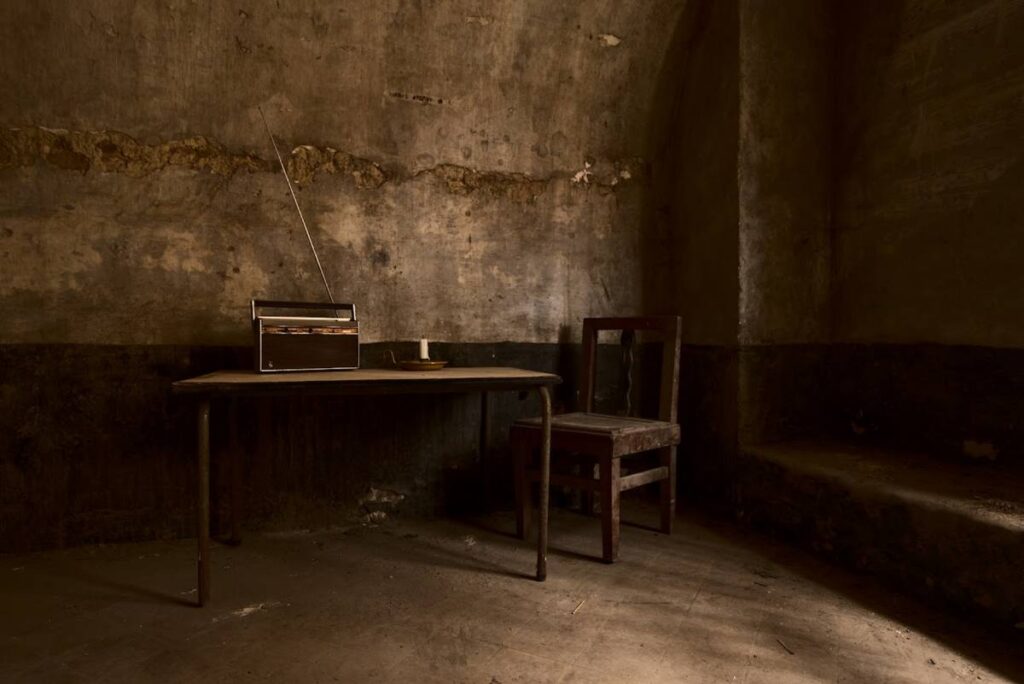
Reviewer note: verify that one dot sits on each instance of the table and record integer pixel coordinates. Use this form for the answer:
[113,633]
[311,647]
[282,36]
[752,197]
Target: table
[236,383]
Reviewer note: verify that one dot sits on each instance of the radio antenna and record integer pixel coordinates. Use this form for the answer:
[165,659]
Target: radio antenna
[295,199]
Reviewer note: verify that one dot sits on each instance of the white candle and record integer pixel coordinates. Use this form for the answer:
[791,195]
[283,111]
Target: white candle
[424,352]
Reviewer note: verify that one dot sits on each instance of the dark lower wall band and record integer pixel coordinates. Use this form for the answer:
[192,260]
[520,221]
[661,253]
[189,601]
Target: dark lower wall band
[93,447]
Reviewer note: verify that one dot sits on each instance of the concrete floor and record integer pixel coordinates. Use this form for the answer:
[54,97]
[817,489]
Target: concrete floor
[447,601]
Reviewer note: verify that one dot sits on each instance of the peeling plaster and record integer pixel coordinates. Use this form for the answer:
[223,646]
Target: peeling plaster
[609,40]
[115,152]
[583,175]
[307,161]
[463,181]
[112,151]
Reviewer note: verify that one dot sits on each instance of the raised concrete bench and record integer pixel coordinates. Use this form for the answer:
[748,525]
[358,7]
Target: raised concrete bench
[939,529]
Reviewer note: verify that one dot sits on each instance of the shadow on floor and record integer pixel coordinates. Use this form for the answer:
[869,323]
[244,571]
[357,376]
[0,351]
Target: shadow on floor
[995,646]
[119,589]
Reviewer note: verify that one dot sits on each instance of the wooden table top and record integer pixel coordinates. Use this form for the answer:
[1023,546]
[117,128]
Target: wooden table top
[365,381]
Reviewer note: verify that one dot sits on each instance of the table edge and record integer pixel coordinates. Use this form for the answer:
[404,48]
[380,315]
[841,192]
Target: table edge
[344,386]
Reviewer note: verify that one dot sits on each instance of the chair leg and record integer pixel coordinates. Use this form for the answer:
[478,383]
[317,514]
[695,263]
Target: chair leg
[609,487]
[522,485]
[668,489]
[587,495]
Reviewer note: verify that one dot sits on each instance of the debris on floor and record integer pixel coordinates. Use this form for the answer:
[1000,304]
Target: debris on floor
[249,610]
[374,518]
[783,645]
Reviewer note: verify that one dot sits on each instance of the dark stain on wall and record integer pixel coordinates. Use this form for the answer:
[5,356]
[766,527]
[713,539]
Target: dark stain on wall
[420,99]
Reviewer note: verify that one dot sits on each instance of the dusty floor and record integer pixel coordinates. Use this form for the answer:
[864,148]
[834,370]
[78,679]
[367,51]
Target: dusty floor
[447,601]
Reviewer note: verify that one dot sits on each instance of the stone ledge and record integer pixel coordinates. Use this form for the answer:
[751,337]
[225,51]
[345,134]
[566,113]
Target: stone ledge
[940,530]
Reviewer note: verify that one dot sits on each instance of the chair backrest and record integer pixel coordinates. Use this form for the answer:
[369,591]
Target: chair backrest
[667,328]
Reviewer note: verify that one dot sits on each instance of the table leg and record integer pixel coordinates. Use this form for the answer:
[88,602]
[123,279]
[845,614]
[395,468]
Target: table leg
[203,495]
[545,482]
[483,467]
[236,474]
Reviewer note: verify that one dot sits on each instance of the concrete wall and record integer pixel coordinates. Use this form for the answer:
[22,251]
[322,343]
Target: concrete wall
[695,177]
[784,170]
[747,193]
[693,269]
[879,155]
[472,171]
[928,211]
[928,200]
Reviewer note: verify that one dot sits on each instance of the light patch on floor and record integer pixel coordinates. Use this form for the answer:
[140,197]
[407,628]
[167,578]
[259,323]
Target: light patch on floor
[445,601]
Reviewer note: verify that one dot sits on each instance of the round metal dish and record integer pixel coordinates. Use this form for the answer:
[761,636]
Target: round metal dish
[422,365]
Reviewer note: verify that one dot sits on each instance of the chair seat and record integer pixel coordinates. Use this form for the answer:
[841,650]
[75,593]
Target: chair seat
[615,436]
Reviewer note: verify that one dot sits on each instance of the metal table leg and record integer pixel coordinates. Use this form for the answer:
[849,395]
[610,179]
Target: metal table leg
[236,473]
[545,482]
[203,495]
[483,467]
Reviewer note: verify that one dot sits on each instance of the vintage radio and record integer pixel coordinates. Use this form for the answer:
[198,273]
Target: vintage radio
[304,336]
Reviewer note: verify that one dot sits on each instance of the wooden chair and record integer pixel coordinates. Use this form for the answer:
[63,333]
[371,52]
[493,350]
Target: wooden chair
[607,439]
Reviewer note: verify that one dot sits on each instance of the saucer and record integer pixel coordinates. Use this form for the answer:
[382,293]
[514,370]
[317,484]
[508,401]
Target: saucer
[422,365]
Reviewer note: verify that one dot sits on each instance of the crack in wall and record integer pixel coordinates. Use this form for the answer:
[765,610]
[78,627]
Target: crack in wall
[114,152]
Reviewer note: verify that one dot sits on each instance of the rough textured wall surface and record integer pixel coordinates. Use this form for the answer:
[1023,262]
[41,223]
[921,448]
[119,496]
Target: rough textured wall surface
[695,178]
[692,270]
[928,210]
[929,203]
[784,170]
[471,170]
[784,178]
